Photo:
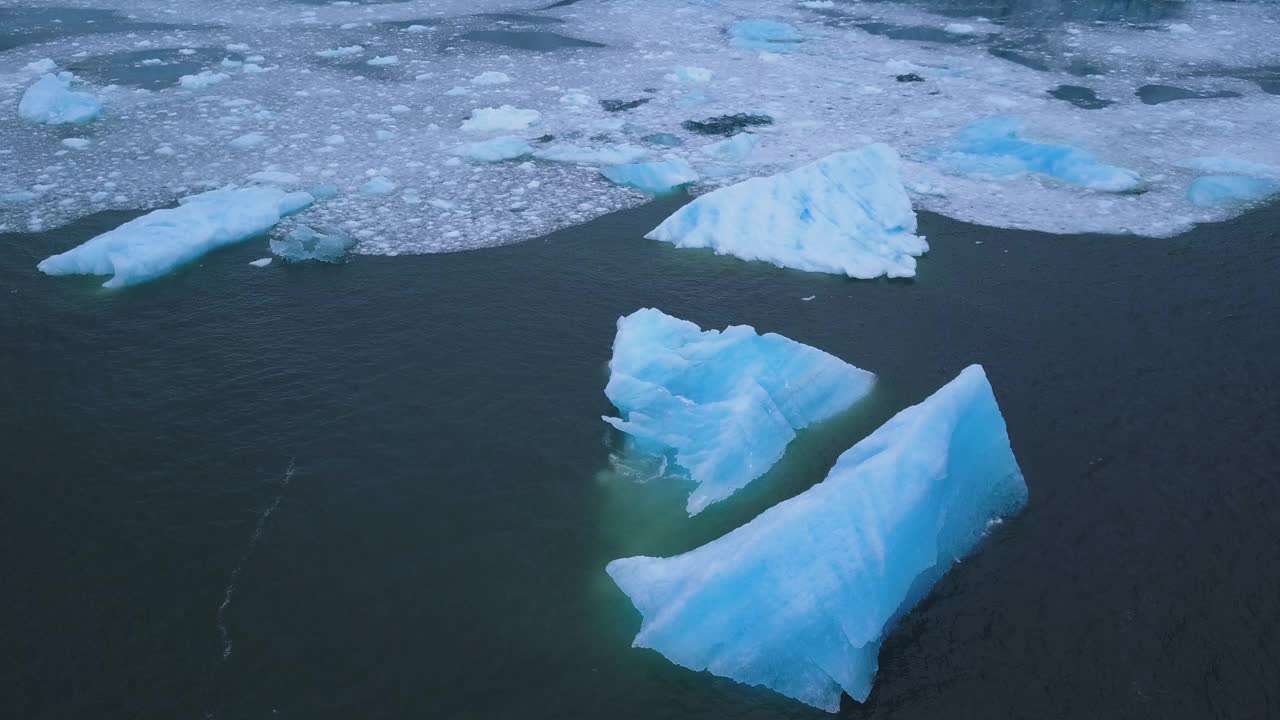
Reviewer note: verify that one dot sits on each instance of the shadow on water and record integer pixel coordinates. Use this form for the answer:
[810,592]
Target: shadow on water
[442,548]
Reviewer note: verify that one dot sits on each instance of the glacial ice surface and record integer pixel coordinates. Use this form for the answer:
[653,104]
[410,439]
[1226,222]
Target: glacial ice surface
[800,598]
[995,147]
[847,214]
[157,243]
[51,101]
[836,89]
[725,403]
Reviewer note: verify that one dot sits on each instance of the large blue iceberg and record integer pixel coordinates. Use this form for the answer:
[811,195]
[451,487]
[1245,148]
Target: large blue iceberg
[846,214]
[799,599]
[994,147]
[157,243]
[724,403]
[50,100]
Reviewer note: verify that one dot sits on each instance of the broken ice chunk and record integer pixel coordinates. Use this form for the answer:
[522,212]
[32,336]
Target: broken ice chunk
[51,101]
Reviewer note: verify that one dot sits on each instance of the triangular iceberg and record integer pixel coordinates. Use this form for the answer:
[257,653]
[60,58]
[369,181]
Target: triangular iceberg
[724,403]
[846,214]
[799,598]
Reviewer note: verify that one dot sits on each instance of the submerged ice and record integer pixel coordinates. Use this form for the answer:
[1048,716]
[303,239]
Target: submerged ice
[322,243]
[846,214]
[995,147]
[725,404]
[159,242]
[800,598]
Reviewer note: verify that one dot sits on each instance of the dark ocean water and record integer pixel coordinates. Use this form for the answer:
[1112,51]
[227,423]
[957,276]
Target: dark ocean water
[439,549]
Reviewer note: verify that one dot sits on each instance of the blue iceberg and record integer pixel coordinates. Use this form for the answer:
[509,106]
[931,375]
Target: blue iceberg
[50,100]
[846,214]
[323,243]
[157,243]
[734,149]
[724,403]
[1216,191]
[799,599]
[994,147]
[653,177]
[766,35]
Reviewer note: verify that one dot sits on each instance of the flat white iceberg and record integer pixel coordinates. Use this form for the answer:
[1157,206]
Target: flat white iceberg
[653,177]
[51,101]
[202,79]
[994,147]
[604,155]
[725,404]
[846,214]
[506,147]
[157,243]
[500,119]
[800,598]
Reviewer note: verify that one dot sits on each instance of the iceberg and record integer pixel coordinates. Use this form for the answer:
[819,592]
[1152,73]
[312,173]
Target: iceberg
[766,35]
[653,177]
[498,149]
[847,213]
[735,149]
[994,147]
[800,598]
[725,403]
[157,243]
[378,185]
[504,118]
[51,101]
[1216,191]
[202,79]
[323,243]
[604,155]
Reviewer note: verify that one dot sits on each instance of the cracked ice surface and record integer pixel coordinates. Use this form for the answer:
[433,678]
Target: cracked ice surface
[347,118]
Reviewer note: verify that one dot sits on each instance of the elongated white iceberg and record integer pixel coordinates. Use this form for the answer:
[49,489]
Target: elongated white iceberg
[994,147]
[724,403]
[50,100]
[799,599]
[155,244]
[846,214]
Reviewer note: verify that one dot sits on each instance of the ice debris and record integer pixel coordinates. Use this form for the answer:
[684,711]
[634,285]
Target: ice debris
[800,598]
[735,149]
[51,101]
[652,177]
[724,403]
[321,242]
[847,213]
[157,243]
[994,147]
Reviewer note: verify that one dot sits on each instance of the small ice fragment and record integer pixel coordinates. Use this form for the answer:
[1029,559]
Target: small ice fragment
[583,155]
[378,186]
[653,177]
[960,29]
[323,243]
[807,299]
[767,35]
[202,79]
[385,60]
[506,147]
[75,143]
[491,78]
[248,140]
[339,52]
[260,262]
